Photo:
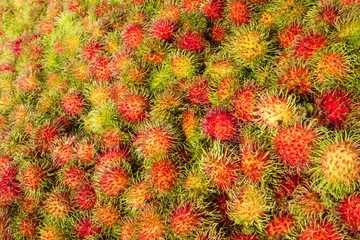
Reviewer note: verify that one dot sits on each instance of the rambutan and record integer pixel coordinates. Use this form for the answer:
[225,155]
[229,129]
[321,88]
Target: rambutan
[64,153]
[32,177]
[191,5]
[309,44]
[170,12]
[332,65]
[287,184]
[275,111]
[296,79]
[239,12]
[254,162]
[163,30]
[242,236]
[199,92]
[220,124]
[163,175]
[112,139]
[335,107]
[100,95]
[151,225]
[306,204]
[27,227]
[349,212]
[91,50]
[213,9]
[50,232]
[139,195]
[280,226]
[136,74]
[183,66]
[85,196]
[133,36]
[222,169]
[58,205]
[295,146]
[189,123]
[218,33]
[86,228]
[133,107]
[112,156]
[244,103]
[288,35]
[10,188]
[320,231]
[74,176]
[192,41]
[153,141]
[85,152]
[114,181]
[73,104]
[28,83]
[101,69]
[185,220]
[46,136]
[107,215]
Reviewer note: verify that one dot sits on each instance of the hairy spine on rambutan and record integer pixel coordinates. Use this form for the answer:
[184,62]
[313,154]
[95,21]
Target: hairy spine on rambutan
[163,175]
[84,196]
[239,12]
[320,230]
[185,220]
[349,211]
[133,36]
[220,124]
[73,104]
[86,228]
[192,41]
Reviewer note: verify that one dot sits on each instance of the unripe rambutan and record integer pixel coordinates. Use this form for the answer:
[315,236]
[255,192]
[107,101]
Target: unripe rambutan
[254,162]
[101,69]
[349,212]
[151,225]
[218,33]
[275,111]
[58,205]
[57,82]
[153,141]
[85,196]
[249,46]
[189,123]
[133,107]
[73,104]
[114,181]
[85,152]
[192,41]
[80,72]
[136,74]
[27,227]
[86,228]
[247,205]
[296,79]
[280,226]
[196,182]
[295,145]
[50,232]
[138,195]
[335,107]
[199,92]
[133,36]
[46,136]
[28,84]
[107,215]
[309,44]
[239,12]
[320,231]
[213,9]
[222,169]
[183,66]
[163,175]
[340,163]
[220,124]
[185,220]
[100,95]
[163,30]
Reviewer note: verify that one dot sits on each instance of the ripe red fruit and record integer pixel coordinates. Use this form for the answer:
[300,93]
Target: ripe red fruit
[239,12]
[350,213]
[253,162]
[27,227]
[74,177]
[185,220]
[294,146]
[133,36]
[85,197]
[64,154]
[46,136]
[198,93]
[296,79]
[9,185]
[288,35]
[91,50]
[154,141]
[151,225]
[28,83]
[320,231]
[245,237]
[101,69]
[329,14]
[218,33]
[85,152]
[244,104]
[335,107]
[192,41]
[114,181]
[107,215]
[163,175]
[280,226]
[85,228]
[220,124]
[133,107]
[73,104]
[164,30]
[309,44]
[214,9]
[32,177]
[112,156]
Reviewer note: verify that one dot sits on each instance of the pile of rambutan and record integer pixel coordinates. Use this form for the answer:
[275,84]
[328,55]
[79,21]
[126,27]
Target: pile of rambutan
[179,119]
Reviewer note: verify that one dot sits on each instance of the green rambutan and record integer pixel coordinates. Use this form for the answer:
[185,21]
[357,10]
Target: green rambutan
[183,66]
[219,67]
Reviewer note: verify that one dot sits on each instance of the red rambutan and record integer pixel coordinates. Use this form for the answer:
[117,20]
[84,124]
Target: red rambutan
[185,220]
[320,231]
[73,104]
[220,124]
[28,227]
[133,36]
[239,12]
[46,136]
[101,70]
[163,175]
[288,35]
[133,107]
[244,104]
[164,30]
[85,196]
[86,228]
[214,9]
[114,181]
[349,212]
[192,41]
[296,79]
[280,226]
[309,44]
[198,92]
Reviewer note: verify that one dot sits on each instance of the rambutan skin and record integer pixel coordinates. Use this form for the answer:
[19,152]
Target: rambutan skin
[193,42]
[164,30]
[185,220]
[163,175]
[349,212]
[221,125]
[73,104]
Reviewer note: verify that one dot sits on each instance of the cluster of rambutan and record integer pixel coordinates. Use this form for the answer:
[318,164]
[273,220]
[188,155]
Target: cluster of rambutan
[192,119]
